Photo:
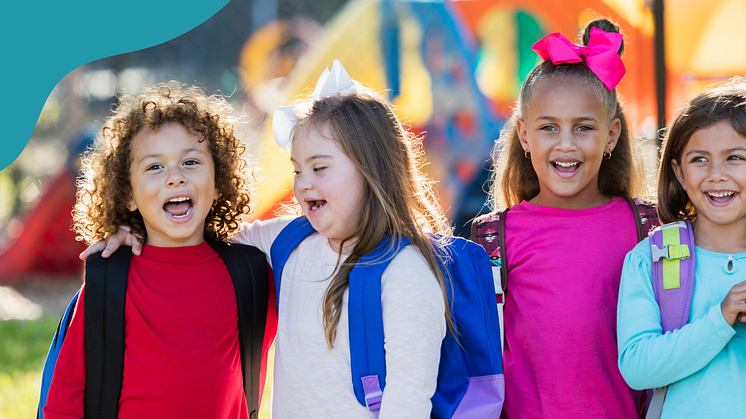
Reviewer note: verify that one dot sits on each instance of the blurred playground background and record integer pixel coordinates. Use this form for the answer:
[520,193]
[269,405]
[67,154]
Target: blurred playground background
[453,69]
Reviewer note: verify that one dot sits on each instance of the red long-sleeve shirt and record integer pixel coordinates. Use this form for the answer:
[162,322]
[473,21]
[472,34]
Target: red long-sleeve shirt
[182,356]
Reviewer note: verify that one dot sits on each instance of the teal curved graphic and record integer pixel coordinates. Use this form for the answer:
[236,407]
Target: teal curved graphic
[44,40]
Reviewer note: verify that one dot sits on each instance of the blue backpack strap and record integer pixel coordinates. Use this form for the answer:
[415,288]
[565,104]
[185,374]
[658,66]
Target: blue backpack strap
[284,244]
[673,263]
[54,353]
[365,317]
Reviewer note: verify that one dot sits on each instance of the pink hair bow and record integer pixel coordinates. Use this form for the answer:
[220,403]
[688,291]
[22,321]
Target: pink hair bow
[601,55]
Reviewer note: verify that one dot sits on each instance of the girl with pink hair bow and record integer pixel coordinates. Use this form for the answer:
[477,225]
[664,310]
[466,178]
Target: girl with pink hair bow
[564,169]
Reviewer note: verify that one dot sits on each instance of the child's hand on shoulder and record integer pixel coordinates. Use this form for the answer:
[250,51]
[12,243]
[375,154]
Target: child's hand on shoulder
[734,304]
[111,243]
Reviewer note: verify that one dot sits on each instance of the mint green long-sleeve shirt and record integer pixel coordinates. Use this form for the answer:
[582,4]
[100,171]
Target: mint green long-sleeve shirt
[704,363]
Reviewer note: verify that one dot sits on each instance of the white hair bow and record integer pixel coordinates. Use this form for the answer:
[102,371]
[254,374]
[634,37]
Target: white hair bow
[330,83]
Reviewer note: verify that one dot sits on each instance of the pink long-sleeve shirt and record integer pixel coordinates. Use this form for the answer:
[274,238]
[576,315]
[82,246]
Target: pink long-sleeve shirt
[564,268]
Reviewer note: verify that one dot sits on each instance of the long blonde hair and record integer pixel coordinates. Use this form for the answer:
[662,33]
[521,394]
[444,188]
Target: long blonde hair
[400,201]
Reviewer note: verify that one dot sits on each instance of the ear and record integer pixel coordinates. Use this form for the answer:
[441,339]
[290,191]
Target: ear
[615,130]
[522,130]
[131,205]
[217,195]
[678,172]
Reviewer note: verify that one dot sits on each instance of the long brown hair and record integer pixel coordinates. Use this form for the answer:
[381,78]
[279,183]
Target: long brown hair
[513,176]
[725,102]
[104,184]
[400,201]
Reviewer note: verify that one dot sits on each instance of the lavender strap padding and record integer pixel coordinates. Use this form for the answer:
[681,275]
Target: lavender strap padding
[373,394]
[483,399]
[675,303]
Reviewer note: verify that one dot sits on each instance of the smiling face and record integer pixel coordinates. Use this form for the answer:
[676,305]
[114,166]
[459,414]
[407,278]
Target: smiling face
[328,186]
[172,176]
[712,170]
[567,130]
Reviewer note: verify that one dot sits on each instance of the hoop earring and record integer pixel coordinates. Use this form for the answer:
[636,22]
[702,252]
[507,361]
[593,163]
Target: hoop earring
[527,154]
[607,155]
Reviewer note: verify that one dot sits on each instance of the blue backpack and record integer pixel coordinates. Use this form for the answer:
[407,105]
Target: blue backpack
[470,377]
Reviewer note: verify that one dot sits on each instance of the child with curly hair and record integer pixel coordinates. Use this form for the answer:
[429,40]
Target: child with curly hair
[168,166]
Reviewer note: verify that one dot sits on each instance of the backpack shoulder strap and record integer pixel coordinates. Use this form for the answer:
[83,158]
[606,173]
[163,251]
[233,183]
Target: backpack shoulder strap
[365,317]
[106,290]
[248,269]
[284,244]
[54,353]
[501,216]
[673,262]
[648,211]
[489,232]
[638,219]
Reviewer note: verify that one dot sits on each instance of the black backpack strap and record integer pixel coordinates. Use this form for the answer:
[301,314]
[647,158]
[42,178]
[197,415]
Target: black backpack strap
[106,291]
[638,219]
[249,271]
[501,214]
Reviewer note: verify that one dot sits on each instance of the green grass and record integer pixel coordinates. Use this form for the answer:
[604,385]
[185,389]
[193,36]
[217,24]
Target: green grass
[23,348]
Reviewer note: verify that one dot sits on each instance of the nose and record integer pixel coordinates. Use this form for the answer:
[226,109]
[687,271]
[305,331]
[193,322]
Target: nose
[566,141]
[176,177]
[718,172]
[302,183]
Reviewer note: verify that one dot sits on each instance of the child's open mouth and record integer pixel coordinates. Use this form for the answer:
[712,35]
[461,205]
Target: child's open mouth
[721,198]
[315,204]
[179,207]
[566,166]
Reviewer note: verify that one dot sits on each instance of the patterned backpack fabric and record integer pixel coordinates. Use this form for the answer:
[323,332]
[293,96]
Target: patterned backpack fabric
[489,231]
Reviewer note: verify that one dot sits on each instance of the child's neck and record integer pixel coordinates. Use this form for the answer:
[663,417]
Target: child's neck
[720,238]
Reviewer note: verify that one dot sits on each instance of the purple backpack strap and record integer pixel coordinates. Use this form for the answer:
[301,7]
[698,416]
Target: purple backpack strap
[373,395]
[673,257]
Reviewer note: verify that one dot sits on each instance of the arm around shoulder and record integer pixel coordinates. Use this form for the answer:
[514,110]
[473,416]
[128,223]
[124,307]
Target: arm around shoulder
[261,233]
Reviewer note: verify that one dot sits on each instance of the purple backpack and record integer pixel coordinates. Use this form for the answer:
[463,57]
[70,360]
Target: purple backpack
[673,261]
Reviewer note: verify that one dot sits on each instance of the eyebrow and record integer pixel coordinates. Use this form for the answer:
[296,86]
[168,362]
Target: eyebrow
[554,118]
[183,151]
[315,157]
[730,150]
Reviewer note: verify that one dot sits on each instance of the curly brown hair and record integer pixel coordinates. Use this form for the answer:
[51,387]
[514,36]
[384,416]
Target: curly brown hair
[104,184]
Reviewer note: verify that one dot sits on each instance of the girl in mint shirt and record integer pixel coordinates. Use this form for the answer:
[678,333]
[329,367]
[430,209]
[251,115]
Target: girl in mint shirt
[702,178]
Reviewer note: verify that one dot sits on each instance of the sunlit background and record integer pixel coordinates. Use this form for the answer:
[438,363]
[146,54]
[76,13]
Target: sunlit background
[452,68]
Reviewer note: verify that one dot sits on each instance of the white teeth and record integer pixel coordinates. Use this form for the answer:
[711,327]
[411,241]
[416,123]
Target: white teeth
[179,199]
[314,207]
[720,194]
[566,164]
[189,211]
